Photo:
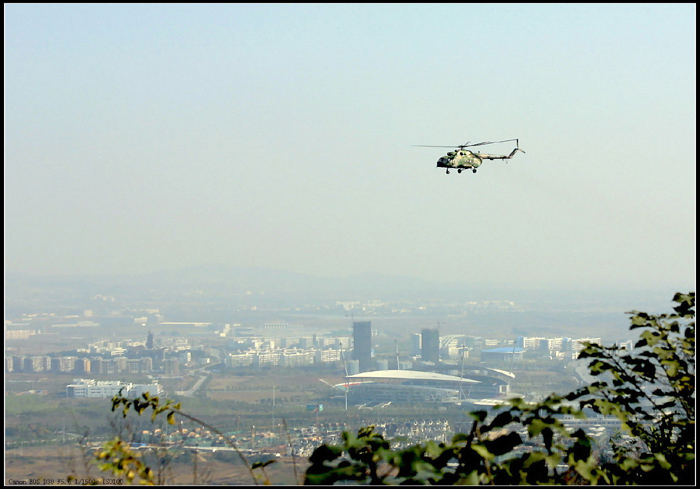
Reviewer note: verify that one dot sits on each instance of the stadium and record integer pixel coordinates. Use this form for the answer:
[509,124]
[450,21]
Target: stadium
[418,387]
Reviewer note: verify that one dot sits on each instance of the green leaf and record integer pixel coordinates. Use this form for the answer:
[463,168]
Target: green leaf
[460,437]
[482,451]
[325,453]
[480,416]
[504,444]
[501,420]
[536,427]
[258,465]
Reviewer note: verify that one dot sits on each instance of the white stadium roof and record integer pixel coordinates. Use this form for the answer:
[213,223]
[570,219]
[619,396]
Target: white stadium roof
[503,372]
[410,375]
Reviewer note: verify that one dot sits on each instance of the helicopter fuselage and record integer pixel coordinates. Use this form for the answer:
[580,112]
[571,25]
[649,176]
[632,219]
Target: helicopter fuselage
[461,159]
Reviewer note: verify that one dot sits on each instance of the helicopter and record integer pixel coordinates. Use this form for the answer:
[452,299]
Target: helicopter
[465,159]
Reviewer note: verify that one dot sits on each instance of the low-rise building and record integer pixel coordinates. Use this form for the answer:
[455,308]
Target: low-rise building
[90,388]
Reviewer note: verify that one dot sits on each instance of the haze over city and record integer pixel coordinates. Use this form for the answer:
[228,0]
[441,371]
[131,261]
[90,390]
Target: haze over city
[143,138]
[236,213]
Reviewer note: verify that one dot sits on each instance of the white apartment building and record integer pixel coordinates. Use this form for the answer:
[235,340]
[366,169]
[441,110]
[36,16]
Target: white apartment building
[325,356]
[239,359]
[19,334]
[288,357]
[416,343]
[578,344]
[554,344]
[529,342]
[266,357]
[296,358]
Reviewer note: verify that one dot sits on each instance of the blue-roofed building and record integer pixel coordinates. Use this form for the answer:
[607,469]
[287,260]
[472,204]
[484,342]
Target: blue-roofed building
[503,354]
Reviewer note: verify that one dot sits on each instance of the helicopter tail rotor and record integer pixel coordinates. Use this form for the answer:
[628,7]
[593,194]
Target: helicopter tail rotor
[513,153]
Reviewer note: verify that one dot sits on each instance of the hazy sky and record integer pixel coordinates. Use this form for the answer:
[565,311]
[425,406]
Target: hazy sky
[152,137]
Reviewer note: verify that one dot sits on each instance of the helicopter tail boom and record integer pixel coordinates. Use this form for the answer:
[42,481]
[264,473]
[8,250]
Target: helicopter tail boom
[485,156]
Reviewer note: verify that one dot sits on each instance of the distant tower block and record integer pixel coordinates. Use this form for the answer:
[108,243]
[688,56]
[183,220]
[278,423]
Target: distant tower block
[362,344]
[430,350]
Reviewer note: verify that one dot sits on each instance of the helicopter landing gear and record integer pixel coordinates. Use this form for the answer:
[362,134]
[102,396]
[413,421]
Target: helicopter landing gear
[447,171]
[474,170]
[459,171]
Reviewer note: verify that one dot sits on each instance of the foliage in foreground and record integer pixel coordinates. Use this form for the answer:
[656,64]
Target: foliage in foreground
[650,389]
[116,456]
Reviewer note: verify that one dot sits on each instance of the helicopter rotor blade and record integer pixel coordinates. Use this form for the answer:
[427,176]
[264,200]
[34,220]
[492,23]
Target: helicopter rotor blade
[430,146]
[492,142]
[466,145]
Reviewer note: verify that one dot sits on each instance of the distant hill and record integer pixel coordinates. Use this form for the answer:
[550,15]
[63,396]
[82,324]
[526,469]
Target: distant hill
[258,280]
[225,280]
[220,281]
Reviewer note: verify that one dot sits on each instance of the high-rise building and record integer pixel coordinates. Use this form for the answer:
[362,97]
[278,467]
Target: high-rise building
[362,344]
[430,345]
[82,365]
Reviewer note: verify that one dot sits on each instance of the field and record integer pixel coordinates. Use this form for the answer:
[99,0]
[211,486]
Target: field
[57,463]
[287,387]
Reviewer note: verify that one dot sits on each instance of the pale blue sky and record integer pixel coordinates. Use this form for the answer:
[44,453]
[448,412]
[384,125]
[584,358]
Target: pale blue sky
[150,137]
